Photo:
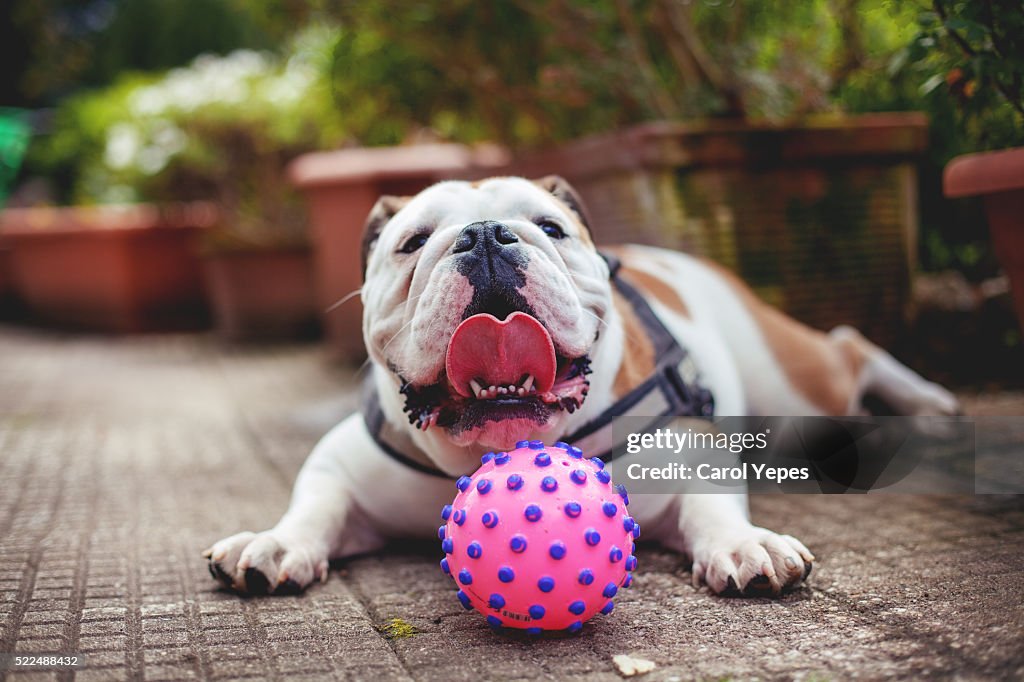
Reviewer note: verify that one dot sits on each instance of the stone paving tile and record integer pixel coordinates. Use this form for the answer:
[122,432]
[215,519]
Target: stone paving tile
[122,458]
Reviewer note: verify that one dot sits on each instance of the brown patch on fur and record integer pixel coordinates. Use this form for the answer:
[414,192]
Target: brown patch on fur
[571,201]
[656,288]
[824,368]
[637,352]
[383,211]
[581,228]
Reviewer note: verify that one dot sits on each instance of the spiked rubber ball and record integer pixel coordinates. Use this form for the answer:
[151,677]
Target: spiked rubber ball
[538,539]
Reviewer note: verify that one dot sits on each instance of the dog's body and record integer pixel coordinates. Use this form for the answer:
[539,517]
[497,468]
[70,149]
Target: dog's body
[461,266]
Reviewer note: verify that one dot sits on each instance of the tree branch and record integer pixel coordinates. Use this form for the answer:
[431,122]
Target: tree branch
[720,81]
[686,66]
[663,104]
[999,46]
[852,38]
[966,48]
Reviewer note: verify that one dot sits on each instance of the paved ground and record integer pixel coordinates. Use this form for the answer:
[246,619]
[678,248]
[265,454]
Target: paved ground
[121,459]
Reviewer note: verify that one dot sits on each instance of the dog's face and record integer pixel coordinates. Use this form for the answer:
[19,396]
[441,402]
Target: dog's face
[484,302]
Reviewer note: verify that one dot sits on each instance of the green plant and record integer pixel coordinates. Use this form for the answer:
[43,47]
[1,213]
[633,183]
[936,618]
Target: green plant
[957,61]
[221,129]
[14,136]
[973,54]
[526,72]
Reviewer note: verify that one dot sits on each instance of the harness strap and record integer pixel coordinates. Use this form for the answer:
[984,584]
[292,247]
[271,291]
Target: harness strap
[673,390]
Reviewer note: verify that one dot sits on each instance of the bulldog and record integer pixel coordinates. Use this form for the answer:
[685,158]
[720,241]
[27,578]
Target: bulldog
[491,317]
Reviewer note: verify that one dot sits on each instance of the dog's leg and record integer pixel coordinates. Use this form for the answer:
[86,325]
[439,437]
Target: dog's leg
[321,523]
[786,367]
[732,556]
[882,375]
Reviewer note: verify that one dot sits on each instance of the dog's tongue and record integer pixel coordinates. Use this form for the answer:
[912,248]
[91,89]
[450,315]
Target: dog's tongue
[499,353]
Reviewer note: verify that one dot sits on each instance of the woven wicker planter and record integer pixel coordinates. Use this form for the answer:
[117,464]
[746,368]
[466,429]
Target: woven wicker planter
[820,218]
[114,269]
[997,177]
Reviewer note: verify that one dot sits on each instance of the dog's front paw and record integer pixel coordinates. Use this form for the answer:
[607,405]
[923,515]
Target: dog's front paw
[752,561]
[268,562]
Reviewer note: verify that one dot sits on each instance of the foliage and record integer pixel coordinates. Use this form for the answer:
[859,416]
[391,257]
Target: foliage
[526,72]
[14,137]
[928,68]
[60,45]
[972,89]
[974,52]
[222,128]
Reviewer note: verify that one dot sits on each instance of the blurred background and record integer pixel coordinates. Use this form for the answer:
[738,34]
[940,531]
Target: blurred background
[173,165]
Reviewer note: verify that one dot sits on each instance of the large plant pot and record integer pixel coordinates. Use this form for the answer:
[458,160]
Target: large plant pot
[7,295]
[340,189]
[262,294]
[997,177]
[114,269]
[821,218]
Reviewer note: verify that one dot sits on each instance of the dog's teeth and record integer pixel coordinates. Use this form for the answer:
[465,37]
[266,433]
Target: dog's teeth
[475,387]
[521,391]
[528,384]
[502,390]
[511,388]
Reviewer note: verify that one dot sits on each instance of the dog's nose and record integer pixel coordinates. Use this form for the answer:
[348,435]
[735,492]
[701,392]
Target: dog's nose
[484,234]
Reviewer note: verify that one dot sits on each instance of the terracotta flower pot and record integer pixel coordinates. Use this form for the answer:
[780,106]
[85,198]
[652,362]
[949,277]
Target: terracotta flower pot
[263,294]
[7,295]
[997,177]
[340,189]
[115,269]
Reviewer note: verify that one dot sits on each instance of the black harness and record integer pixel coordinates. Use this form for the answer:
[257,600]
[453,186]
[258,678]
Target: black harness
[672,390]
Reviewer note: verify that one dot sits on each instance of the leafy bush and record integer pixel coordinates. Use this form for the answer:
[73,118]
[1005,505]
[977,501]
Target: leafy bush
[527,72]
[973,53]
[963,64]
[222,128]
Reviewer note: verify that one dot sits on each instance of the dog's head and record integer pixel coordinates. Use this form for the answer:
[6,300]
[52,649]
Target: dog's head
[484,301]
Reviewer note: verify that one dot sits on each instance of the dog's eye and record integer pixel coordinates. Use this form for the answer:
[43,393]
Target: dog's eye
[551,229]
[414,243]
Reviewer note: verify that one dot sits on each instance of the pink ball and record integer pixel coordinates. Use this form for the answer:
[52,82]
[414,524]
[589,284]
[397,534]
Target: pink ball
[538,539]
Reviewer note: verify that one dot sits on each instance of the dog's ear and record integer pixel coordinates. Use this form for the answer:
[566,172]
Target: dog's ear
[383,211]
[563,191]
